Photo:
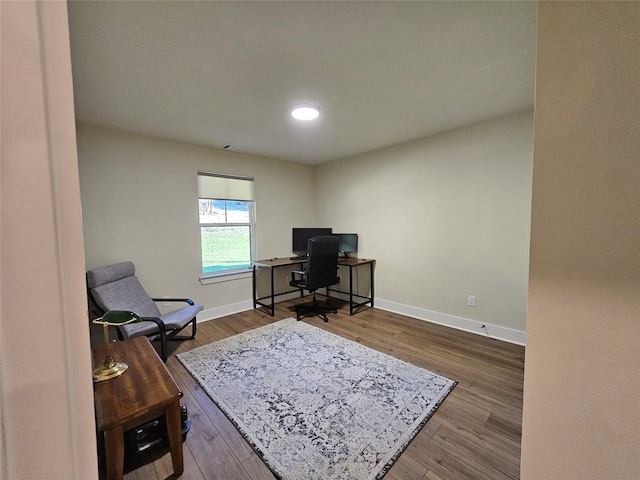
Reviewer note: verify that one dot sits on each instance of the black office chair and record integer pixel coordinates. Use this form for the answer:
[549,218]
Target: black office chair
[321,270]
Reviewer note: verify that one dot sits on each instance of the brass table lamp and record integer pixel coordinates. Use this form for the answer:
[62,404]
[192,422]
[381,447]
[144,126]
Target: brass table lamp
[110,368]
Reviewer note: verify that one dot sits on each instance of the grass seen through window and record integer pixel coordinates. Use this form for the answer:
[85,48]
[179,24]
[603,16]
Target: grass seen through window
[225,248]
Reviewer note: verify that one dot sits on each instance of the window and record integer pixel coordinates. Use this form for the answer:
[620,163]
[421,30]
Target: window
[226,211]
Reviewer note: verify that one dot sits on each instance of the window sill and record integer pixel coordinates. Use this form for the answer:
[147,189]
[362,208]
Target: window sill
[225,277]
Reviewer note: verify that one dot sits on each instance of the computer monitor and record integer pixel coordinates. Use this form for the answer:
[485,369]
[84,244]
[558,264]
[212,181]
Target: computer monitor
[348,243]
[301,238]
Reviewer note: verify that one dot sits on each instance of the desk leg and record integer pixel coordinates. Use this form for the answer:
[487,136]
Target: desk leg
[253,284]
[174,430]
[371,275]
[273,295]
[114,452]
[350,289]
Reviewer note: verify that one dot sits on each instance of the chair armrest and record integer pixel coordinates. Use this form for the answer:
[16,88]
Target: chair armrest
[298,282]
[187,300]
[155,320]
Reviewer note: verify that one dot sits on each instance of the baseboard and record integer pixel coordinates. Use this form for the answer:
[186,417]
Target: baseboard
[217,312]
[473,326]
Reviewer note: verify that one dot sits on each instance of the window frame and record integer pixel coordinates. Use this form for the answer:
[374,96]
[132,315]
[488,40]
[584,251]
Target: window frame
[244,271]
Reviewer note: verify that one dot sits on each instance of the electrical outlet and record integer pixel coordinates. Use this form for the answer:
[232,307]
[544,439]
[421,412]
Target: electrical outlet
[339,278]
[471,300]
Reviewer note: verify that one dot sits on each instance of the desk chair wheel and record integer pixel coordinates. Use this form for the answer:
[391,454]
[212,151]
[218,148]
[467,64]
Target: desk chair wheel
[316,307]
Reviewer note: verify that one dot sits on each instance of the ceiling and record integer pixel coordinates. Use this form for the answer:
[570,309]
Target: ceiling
[226,73]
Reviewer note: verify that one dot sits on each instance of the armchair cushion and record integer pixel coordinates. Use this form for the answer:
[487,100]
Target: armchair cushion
[115,287]
[176,319]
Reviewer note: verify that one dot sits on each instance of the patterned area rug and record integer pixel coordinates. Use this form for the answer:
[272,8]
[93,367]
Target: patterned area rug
[314,405]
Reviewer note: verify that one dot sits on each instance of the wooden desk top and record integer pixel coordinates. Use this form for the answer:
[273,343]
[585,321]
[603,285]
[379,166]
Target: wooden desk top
[284,261]
[144,387]
[353,261]
[278,262]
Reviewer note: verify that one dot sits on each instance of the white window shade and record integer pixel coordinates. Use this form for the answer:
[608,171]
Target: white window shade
[225,187]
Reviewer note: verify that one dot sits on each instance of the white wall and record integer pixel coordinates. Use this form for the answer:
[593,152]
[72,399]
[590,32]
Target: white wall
[47,428]
[139,203]
[581,417]
[445,217]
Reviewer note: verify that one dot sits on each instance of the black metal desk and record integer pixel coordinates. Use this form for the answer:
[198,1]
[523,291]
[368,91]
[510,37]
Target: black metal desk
[356,301]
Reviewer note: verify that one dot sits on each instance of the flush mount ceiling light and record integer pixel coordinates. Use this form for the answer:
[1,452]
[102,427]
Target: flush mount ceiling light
[305,111]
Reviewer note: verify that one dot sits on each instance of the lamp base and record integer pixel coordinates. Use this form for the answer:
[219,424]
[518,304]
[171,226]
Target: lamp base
[109,370]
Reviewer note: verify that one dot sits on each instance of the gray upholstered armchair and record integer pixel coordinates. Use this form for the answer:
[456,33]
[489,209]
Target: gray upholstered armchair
[116,287]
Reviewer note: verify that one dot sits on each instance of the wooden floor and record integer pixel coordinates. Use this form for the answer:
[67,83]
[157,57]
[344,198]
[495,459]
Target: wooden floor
[475,433]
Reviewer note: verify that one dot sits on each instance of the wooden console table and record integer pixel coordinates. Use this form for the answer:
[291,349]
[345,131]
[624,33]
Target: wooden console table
[144,392]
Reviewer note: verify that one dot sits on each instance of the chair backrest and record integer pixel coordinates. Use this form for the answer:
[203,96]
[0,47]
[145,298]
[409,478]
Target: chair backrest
[322,262]
[116,287]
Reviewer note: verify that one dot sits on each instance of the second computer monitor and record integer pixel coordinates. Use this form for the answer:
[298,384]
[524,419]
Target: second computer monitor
[348,243]
[301,238]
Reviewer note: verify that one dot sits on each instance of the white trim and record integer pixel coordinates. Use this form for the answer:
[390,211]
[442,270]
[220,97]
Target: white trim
[225,277]
[217,312]
[497,332]
[473,326]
